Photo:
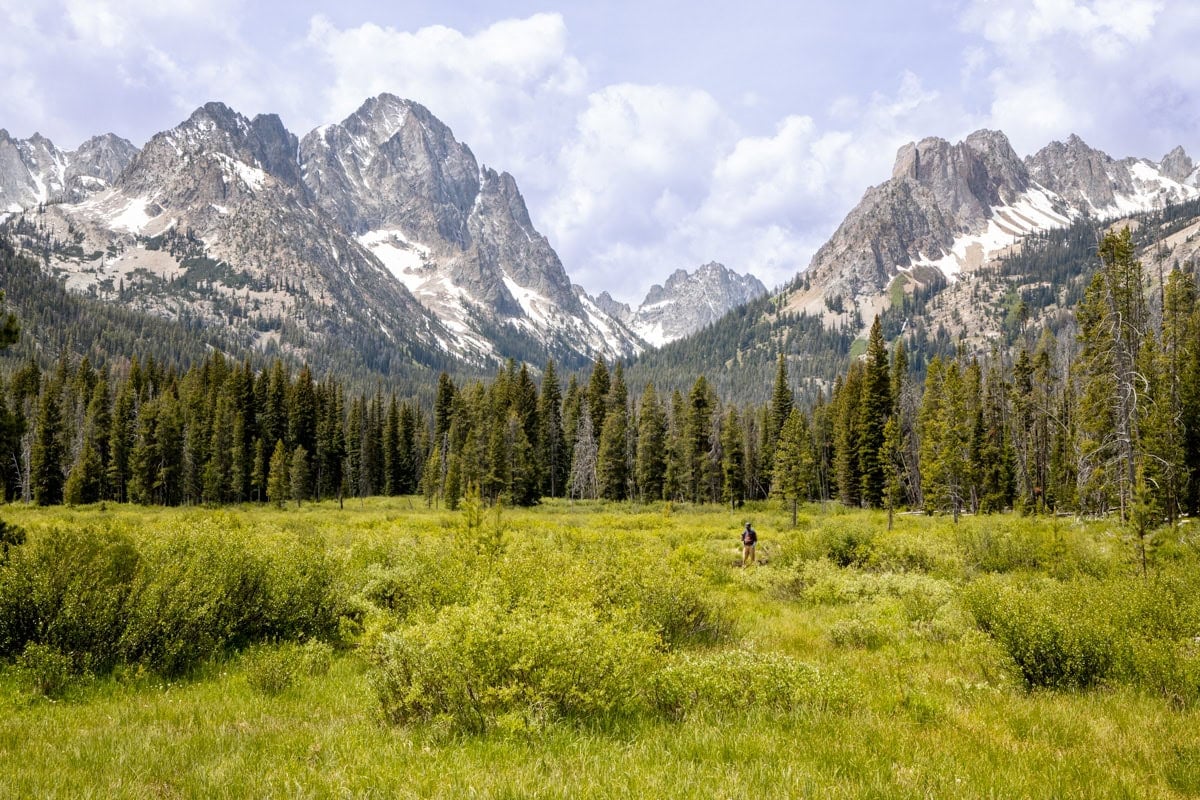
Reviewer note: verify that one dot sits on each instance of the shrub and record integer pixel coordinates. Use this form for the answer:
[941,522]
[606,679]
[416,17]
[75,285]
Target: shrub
[737,679]
[68,589]
[272,669]
[474,664]
[858,632]
[1062,636]
[44,670]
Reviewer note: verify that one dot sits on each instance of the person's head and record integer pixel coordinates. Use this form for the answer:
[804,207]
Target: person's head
[747,523]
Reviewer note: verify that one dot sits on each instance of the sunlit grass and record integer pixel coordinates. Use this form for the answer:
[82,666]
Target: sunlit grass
[934,708]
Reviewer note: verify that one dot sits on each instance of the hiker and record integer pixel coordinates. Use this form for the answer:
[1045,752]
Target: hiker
[749,539]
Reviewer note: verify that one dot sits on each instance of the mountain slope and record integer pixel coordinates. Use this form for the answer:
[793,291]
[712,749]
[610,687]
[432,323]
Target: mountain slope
[382,230]
[685,303]
[966,245]
[458,235]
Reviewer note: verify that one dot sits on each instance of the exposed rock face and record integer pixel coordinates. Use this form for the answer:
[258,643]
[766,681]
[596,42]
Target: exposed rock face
[235,220]
[212,218]
[687,302]
[948,208]
[34,170]
[457,234]
[96,164]
[1178,166]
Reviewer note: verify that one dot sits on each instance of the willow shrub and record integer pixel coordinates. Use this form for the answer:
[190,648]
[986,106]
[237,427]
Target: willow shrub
[168,602]
[1079,633]
[476,665]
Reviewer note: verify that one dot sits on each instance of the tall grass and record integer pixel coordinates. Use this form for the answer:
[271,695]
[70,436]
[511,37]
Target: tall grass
[590,650]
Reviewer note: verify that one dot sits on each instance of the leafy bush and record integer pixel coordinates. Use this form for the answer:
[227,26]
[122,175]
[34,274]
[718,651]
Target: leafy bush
[1059,636]
[740,679]
[69,590]
[858,632]
[474,664]
[44,670]
[100,600]
[1079,633]
[272,669]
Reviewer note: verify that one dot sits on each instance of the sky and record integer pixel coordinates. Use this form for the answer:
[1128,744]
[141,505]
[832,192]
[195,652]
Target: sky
[646,135]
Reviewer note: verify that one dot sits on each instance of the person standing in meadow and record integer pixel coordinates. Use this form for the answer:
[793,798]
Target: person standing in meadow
[749,540]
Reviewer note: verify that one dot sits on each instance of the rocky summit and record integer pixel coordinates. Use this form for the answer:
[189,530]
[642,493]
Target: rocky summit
[382,232]
[950,209]
[685,303]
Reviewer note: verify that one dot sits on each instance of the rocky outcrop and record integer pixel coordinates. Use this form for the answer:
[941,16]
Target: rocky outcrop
[686,302]
[456,233]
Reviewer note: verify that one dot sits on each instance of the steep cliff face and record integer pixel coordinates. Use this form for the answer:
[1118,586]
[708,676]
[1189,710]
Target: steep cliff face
[383,228]
[950,209]
[458,235]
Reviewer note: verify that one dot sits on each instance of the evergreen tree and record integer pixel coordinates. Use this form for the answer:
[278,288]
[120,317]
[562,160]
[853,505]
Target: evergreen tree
[794,462]
[551,441]
[846,431]
[597,393]
[733,460]
[611,470]
[874,409]
[278,483]
[651,447]
[48,452]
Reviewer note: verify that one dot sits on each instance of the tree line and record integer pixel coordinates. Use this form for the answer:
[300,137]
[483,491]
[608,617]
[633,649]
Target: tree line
[1106,420]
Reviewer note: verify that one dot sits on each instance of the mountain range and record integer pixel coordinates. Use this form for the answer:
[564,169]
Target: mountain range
[384,234]
[382,230]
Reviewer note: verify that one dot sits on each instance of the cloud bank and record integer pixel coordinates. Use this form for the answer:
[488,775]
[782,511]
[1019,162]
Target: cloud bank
[630,179]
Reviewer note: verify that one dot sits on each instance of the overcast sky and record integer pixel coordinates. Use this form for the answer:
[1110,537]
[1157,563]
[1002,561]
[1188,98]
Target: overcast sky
[646,135]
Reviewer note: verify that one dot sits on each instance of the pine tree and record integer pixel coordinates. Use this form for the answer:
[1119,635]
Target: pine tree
[733,461]
[551,441]
[597,393]
[278,483]
[651,447]
[874,409]
[794,462]
[49,452]
[846,430]
[611,470]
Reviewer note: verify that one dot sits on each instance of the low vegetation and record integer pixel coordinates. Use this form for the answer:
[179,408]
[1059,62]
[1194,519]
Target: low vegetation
[592,649]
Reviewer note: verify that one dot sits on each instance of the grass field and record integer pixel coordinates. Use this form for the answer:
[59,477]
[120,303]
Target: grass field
[592,650]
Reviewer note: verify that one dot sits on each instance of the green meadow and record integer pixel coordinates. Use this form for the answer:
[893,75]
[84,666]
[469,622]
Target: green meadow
[589,649]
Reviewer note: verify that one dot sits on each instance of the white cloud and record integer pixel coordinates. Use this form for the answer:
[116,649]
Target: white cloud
[509,90]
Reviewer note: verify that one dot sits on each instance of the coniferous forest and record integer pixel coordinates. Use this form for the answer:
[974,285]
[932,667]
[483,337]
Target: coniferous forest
[1107,420]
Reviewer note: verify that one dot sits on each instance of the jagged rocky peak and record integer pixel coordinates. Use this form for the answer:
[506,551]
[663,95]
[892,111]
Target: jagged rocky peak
[687,301]
[966,179]
[221,150]
[1177,165]
[1080,174]
[31,171]
[613,307]
[104,157]
[392,164]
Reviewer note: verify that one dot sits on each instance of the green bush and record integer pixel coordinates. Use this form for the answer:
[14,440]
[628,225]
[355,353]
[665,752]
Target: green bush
[474,664]
[44,670]
[100,600]
[68,589]
[858,632]
[739,679]
[1058,635]
[272,669]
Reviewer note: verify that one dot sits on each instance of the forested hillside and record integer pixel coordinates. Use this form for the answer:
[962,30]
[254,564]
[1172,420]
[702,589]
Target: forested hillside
[1112,424]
